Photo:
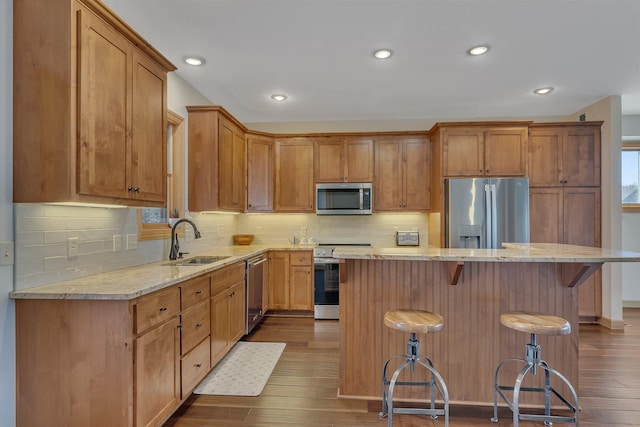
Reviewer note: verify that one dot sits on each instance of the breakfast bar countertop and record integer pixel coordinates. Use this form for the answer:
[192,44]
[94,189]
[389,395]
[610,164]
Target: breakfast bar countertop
[512,252]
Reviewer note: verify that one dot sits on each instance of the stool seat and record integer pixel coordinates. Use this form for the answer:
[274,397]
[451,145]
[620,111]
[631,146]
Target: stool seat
[414,321]
[535,323]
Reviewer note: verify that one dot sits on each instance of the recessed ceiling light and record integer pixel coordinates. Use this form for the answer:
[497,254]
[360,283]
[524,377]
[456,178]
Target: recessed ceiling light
[279,97]
[543,90]
[194,60]
[383,53]
[478,50]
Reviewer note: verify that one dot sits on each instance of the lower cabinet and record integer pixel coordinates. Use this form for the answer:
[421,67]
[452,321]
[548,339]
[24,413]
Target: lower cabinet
[228,312]
[123,362]
[291,280]
[570,215]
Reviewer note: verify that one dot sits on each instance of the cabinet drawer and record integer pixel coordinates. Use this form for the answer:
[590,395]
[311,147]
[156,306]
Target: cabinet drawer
[195,326]
[195,366]
[225,277]
[193,291]
[301,258]
[157,307]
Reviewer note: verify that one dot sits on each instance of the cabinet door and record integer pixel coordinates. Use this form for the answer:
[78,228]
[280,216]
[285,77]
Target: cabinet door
[545,157]
[301,288]
[259,175]
[230,166]
[417,175]
[505,152]
[265,287]
[328,160]
[582,227]
[358,160]
[546,217]
[237,312]
[463,152]
[219,326]
[279,280]
[581,157]
[157,395]
[149,130]
[388,176]
[104,69]
[294,176]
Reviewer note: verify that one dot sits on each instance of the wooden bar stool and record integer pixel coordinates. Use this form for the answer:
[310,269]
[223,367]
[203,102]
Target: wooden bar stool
[414,321]
[535,323]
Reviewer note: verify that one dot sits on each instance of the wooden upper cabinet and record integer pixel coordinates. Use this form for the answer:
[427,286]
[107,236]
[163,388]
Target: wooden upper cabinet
[484,151]
[90,112]
[402,175]
[565,155]
[463,152]
[231,166]
[294,186]
[343,160]
[217,157]
[259,174]
[505,152]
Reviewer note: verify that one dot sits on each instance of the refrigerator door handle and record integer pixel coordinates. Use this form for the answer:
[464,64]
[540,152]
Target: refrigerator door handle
[488,215]
[494,217]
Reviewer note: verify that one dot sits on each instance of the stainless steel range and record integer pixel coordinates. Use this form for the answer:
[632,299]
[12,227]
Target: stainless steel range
[326,280]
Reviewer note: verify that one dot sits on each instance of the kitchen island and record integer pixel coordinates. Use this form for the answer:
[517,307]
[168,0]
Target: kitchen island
[470,288]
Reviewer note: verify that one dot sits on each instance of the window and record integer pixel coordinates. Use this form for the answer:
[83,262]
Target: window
[153,223]
[630,167]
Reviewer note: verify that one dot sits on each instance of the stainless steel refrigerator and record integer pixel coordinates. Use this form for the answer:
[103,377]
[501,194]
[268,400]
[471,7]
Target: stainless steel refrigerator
[486,212]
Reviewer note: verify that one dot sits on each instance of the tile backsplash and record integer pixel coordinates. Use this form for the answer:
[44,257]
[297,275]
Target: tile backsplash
[42,232]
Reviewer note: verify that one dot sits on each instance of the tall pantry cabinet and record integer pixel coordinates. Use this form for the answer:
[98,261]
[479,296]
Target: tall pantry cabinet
[564,179]
[89,107]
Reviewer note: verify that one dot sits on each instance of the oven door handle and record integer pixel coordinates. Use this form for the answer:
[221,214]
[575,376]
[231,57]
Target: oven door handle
[324,261]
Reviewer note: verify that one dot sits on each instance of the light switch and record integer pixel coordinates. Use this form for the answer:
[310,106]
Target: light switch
[132,241]
[6,253]
[72,247]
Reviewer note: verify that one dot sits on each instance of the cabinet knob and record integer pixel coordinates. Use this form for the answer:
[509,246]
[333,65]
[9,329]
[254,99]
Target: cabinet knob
[130,189]
[163,308]
[198,292]
[198,325]
[197,365]
[136,189]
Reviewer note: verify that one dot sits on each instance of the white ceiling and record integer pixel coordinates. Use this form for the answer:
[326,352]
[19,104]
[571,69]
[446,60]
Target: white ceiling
[319,53]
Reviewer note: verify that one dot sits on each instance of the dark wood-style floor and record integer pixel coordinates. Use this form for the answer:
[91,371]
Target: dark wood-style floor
[303,387]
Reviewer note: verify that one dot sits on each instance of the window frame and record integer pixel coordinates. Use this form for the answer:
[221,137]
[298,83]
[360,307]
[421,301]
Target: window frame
[175,180]
[632,145]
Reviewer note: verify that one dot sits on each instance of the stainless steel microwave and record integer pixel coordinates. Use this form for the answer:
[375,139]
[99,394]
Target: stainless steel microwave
[344,199]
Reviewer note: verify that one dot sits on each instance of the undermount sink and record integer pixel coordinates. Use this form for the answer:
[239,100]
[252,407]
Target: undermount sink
[198,260]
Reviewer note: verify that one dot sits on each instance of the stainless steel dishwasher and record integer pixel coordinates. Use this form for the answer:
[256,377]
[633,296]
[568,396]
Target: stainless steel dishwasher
[255,280]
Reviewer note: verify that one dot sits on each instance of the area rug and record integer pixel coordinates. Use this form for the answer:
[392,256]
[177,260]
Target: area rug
[244,371]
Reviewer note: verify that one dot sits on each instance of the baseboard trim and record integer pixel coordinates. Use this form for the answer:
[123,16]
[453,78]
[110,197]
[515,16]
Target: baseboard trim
[631,304]
[611,324]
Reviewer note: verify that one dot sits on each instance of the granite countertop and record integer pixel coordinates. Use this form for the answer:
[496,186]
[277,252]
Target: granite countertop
[132,282]
[512,252]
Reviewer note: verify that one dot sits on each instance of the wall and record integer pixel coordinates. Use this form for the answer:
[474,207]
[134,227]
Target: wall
[377,229]
[7,317]
[631,228]
[609,110]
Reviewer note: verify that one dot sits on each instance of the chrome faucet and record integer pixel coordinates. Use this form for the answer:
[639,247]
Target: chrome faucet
[175,245]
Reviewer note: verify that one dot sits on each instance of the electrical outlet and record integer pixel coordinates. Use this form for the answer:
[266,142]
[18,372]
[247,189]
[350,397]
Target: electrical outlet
[258,230]
[72,247]
[132,241]
[303,231]
[117,243]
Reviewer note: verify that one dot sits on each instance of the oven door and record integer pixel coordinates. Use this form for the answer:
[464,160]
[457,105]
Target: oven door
[326,292]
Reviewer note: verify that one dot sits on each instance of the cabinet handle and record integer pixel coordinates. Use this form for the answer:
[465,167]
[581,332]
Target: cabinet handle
[197,365]
[136,189]
[163,308]
[130,189]
[487,171]
[198,325]
[198,292]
